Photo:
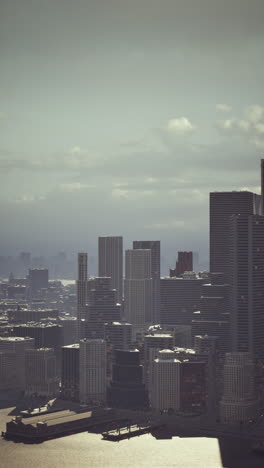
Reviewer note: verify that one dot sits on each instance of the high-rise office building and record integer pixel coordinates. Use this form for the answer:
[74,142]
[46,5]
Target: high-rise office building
[222,206]
[153,343]
[193,386]
[154,246]
[212,316]
[239,403]
[246,284]
[70,372]
[138,289]
[184,263]
[262,186]
[118,334]
[92,371]
[41,373]
[46,335]
[110,262]
[81,284]
[179,298]
[127,389]
[13,351]
[102,307]
[21,315]
[165,379]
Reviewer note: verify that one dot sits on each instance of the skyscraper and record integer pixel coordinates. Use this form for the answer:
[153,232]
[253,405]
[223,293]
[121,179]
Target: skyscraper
[70,370]
[81,284]
[110,262]
[17,347]
[154,246]
[165,379]
[262,186]
[222,206]
[102,307]
[239,402]
[138,289]
[184,263]
[246,284]
[92,371]
[41,374]
[179,298]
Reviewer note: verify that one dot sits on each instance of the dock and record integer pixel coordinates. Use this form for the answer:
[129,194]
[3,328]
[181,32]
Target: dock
[130,431]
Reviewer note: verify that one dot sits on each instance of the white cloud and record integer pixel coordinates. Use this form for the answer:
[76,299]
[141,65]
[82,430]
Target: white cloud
[27,199]
[180,126]
[133,194]
[74,186]
[250,127]
[223,108]
[254,113]
[120,193]
[174,224]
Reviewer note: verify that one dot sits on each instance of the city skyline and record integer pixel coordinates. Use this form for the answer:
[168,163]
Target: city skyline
[132,233]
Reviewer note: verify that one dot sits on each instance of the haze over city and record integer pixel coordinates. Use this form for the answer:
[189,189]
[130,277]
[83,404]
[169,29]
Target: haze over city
[120,117]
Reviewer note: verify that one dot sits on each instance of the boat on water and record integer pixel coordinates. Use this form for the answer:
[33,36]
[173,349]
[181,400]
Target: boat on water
[129,431]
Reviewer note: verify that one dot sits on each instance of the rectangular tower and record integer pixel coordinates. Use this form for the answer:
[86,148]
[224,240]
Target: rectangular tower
[93,371]
[222,206]
[81,284]
[138,289]
[246,284]
[110,262]
[154,246]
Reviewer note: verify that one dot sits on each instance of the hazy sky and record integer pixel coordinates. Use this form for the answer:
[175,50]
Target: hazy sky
[118,117]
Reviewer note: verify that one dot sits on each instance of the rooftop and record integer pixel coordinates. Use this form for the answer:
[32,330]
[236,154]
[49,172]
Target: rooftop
[75,346]
[16,338]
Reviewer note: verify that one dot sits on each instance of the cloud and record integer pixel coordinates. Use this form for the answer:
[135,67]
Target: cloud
[171,224]
[223,108]
[254,113]
[131,194]
[75,186]
[249,127]
[29,199]
[180,126]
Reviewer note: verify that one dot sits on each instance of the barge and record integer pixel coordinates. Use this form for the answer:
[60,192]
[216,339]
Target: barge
[59,424]
[129,431]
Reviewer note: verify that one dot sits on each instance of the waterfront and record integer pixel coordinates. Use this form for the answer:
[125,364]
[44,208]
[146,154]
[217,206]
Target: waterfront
[89,450]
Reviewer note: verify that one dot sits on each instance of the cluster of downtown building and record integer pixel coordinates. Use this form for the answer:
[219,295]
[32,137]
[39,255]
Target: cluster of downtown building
[187,343]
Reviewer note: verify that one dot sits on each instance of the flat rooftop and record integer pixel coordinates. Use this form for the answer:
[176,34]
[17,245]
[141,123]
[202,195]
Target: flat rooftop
[60,417]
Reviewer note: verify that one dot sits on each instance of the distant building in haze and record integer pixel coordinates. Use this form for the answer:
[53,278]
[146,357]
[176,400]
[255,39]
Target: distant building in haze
[184,263]
[38,279]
